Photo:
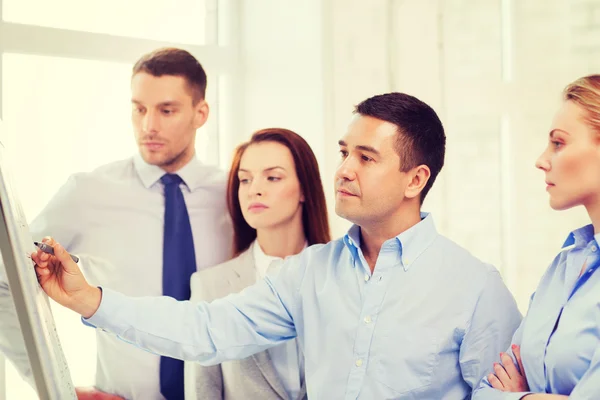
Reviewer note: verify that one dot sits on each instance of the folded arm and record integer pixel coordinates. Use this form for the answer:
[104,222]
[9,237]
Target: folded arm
[485,390]
[492,325]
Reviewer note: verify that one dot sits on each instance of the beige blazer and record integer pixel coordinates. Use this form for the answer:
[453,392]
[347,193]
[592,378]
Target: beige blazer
[250,378]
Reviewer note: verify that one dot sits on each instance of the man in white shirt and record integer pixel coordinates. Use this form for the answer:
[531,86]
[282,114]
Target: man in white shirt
[120,213]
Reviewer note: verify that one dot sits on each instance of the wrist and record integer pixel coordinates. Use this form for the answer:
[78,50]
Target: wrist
[88,302]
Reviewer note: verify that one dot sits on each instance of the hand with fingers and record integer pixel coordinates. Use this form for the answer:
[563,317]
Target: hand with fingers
[62,280]
[506,376]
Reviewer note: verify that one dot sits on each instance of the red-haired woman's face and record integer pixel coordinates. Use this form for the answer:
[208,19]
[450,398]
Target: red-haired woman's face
[270,195]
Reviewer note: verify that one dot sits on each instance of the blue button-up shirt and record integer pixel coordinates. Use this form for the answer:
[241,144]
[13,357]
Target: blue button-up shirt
[427,324]
[560,336]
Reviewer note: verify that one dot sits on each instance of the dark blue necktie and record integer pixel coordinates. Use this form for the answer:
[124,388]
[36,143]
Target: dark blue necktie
[179,263]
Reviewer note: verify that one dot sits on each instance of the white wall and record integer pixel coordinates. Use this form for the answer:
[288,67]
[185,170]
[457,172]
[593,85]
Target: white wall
[492,69]
[282,68]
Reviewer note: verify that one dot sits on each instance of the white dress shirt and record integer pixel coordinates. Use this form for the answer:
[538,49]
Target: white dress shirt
[284,357]
[113,219]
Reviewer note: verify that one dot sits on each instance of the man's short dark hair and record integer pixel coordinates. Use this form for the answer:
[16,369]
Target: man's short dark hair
[175,62]
[421,138]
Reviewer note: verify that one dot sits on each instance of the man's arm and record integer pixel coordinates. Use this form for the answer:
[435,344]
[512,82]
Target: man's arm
[204,382]
[494,321]
[234,327]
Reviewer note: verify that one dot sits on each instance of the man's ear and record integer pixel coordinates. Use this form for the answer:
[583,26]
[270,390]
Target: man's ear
[419,176]
[201,111]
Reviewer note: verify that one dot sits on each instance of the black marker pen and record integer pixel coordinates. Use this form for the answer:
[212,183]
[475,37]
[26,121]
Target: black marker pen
[49,250]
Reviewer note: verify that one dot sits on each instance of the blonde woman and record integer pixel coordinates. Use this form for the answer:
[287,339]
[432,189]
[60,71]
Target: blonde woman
[555,353]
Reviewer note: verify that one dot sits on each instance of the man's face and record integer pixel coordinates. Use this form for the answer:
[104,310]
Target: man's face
[370,187]
[165,119]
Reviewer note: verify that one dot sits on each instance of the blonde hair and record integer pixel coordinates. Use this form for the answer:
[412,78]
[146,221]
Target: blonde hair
[585,92]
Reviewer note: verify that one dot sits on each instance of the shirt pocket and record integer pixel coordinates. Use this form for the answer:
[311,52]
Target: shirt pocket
[406,361]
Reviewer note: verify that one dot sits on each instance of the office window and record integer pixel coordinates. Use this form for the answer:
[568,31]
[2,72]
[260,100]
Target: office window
[180,22]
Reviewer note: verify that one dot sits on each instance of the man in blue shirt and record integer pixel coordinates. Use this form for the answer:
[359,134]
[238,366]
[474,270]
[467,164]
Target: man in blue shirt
[391,310]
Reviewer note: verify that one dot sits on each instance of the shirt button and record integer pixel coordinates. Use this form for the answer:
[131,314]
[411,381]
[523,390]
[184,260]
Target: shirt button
[367,277]
[368,319]
[594,248]
[358,362]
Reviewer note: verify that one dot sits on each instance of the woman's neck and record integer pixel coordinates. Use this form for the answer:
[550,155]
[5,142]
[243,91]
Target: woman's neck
[593,210]
[284,240]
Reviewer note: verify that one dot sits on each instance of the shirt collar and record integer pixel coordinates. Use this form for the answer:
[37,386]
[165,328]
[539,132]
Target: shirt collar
[262,261]
[191,174]
[411,243]
[581,237]
[260,258]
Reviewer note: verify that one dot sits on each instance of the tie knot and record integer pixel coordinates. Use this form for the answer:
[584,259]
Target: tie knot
[171,179]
